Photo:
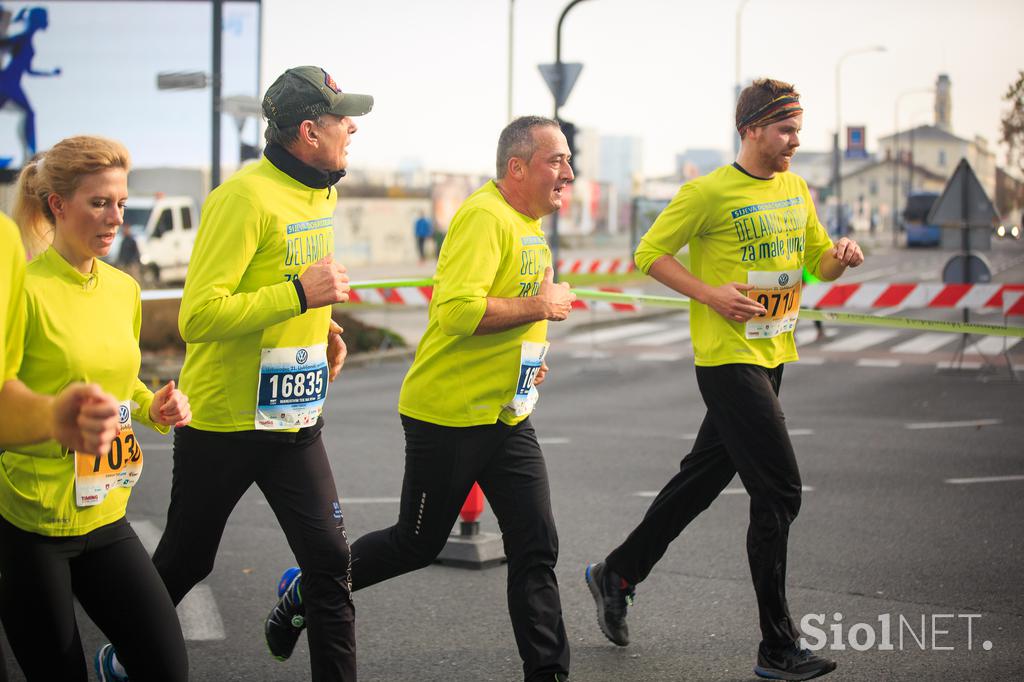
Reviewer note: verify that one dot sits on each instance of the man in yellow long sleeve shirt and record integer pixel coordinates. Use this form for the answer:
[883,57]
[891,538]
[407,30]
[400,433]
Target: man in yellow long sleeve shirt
[256,315]
[466,401]
[751,227]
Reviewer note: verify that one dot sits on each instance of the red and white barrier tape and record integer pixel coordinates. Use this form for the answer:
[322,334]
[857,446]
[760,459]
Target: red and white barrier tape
[879,295]
[412,296]
[597,266]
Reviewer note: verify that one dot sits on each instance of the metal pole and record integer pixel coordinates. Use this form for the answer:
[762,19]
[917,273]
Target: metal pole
[896,156]
[896,173]
[739,81]
[558,70]
[215,83]
[836,146]
[837,164]
[511,34]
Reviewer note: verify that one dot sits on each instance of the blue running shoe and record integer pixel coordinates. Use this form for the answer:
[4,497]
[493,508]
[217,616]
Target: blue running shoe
[107,667]
[288,617]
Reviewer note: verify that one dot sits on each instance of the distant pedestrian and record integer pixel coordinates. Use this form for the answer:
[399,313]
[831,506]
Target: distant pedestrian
[422,228]
[129,259]
[751,227]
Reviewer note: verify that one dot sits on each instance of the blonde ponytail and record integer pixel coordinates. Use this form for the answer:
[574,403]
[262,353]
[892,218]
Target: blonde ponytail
[59,171]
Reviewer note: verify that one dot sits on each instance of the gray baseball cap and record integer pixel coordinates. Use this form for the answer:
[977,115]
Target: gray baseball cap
[305,92]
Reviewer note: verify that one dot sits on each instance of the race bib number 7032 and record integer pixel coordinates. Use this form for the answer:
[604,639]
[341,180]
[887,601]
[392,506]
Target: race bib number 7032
[119,467]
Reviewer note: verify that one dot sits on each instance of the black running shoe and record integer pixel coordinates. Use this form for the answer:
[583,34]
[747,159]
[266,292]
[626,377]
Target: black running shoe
[288,617]
[611,599]
[791,663]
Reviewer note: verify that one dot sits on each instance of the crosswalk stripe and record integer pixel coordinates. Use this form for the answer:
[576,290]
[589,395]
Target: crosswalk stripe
[622,332]
[878,362]
[198,613]
[861,340]
[661,338]
[992,345]
[660,357]
[924,343]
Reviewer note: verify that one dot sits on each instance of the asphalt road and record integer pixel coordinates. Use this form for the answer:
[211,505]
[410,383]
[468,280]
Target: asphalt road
[913,515]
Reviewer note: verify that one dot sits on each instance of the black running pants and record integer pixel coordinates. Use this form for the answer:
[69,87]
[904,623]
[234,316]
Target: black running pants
[211,473]
[744,432]
[111,574]
[441,464]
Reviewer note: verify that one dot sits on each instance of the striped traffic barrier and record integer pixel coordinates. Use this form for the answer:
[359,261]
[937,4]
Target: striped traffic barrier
[884,296]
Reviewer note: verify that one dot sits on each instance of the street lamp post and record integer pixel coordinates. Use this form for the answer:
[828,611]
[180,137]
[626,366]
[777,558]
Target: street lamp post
[558,70]
[896,157]
[739,82]
[511,34]
[837,161]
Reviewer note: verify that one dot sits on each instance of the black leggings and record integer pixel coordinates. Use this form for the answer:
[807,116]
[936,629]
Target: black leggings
[110,573]
[441,463]
[211,472]
[744,432]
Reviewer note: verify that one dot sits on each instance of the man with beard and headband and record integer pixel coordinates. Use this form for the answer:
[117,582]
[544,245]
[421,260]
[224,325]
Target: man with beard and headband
[466,401]
[751,227]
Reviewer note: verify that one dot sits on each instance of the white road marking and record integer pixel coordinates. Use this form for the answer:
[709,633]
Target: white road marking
[620,332]
[792,432]
[805,335]
[661,338]
[983,479]
[199,616]
[727,491]
[924,343]
[590,355]
[861,340]
[148,533]
[992,345]
[968,365]
[878,362]
[916,426]
[812,361]
[660,357]
[198,613]
[553,441]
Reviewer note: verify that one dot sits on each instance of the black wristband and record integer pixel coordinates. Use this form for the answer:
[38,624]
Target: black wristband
[303,306]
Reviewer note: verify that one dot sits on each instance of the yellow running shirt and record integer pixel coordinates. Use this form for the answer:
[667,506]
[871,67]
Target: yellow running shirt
[77,328]
[259,230]
[12,262]
[459,379]
[740,229]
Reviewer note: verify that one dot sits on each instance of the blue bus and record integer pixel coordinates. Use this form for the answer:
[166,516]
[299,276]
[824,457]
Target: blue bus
[919,232]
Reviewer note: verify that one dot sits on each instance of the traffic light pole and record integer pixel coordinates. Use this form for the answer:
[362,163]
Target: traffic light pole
[555,245]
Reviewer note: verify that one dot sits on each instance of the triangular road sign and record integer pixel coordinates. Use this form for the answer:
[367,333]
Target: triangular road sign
[560,81]
[963,201]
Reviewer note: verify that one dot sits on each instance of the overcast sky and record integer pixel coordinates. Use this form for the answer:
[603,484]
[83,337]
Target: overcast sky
[662,70]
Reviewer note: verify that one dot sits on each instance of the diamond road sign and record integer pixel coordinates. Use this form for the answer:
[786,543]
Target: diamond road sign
[560,80]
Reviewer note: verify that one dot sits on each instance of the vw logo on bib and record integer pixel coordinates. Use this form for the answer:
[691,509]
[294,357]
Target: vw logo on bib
[124,413]
[301,356]
[783,279]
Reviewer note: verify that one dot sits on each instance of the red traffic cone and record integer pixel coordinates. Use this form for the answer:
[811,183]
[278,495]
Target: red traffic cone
[470,548]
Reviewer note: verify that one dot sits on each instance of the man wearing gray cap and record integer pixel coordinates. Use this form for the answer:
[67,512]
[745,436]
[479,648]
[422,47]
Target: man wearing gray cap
[256,315]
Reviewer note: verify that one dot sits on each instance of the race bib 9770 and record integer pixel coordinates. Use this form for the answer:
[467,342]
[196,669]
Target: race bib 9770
[779,292]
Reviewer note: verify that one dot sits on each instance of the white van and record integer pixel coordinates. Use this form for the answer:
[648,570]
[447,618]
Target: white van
[164,228]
